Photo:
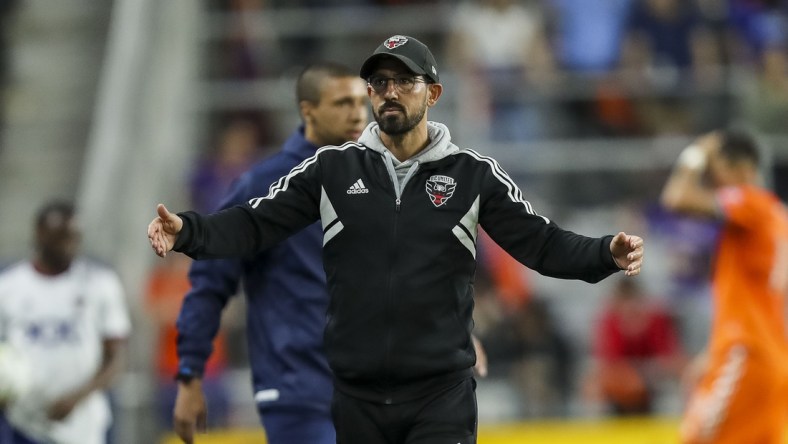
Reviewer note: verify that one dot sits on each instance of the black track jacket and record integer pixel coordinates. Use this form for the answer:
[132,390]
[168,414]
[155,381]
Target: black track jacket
[399,249]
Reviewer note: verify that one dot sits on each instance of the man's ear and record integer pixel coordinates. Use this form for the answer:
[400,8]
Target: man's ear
[305,107]
[434,92]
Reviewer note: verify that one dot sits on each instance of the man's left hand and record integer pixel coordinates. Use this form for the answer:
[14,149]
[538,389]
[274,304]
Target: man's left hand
[627,251]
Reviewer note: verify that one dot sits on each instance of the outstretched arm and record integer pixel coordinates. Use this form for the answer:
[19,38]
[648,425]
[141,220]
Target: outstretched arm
[163,230]
[627,251]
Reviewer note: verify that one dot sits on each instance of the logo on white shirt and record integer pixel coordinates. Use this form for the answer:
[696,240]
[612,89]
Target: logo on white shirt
[358,188]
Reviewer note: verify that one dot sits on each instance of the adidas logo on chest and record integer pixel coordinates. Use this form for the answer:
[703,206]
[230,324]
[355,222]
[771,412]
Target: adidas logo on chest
[358,188]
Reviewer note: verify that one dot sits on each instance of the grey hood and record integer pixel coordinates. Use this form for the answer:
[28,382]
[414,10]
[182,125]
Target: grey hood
[440,144]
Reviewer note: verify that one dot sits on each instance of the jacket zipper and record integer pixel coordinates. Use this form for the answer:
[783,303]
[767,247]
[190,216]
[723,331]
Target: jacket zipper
[398,187]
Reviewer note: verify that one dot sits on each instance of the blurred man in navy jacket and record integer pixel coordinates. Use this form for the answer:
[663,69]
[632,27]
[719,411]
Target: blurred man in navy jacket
[285,286]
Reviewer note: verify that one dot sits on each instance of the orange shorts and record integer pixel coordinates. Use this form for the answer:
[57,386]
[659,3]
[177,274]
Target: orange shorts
[741,399]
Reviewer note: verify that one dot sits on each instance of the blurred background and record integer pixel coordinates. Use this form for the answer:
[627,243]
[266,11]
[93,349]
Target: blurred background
[586,103]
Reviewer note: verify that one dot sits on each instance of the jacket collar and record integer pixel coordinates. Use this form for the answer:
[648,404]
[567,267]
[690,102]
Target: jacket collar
[298,146]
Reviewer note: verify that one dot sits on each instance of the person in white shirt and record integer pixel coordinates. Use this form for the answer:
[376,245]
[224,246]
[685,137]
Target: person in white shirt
[66,316]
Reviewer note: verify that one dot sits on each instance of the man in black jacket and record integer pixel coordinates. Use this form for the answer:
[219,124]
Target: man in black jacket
[400,210]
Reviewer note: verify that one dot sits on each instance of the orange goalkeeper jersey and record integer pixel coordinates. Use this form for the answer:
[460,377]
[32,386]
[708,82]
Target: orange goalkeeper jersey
[751,272]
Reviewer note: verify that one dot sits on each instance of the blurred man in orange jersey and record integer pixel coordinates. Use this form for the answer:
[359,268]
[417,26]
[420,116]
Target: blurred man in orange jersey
[739,383]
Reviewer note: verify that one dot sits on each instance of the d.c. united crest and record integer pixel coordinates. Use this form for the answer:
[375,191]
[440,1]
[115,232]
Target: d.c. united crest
[440,189]
[395,41]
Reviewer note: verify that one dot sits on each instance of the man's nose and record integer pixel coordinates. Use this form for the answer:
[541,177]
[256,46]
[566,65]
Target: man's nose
[390,88]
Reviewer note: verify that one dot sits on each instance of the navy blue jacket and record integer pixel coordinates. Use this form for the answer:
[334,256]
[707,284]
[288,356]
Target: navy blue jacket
[285,287]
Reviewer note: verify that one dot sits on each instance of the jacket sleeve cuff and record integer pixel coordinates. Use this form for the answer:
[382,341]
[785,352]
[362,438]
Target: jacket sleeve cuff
[191,365]
[185,235]
[607,256]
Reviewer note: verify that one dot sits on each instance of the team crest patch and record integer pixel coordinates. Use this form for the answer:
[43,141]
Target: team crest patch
[440,189]
[395,41]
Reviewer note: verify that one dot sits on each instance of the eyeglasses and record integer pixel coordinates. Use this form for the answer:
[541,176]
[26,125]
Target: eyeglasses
[403,84]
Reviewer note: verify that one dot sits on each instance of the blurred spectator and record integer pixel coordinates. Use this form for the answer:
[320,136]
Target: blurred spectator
[499,48]
[613,111]
[544,371]
[303,24]
[167,285]
[588,37]
[758,25]
[236,150]
[765,102]
[67,319]
[711,99]
[762,30]
[636,348]
[664,29]
[251,45]
[524,344]
[672,51]
[528,348]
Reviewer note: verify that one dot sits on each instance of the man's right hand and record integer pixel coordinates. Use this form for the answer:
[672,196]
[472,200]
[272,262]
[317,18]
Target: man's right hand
[190,410]
[163,230]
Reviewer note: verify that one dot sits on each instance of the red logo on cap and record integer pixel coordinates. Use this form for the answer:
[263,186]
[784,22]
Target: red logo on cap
[395,41]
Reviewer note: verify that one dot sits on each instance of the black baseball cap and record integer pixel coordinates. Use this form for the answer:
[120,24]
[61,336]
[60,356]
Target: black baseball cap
[414,54]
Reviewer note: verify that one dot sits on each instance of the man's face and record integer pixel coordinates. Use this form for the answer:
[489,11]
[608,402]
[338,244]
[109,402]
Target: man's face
[57,240]
[723,172]
[398,112]
[341,114]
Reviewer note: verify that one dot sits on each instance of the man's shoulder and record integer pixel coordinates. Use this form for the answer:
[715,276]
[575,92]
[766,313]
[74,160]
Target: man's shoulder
[473,155]
[339,156]
[472,161]
[281,163]
[261,175]
[754,198]
[347,148]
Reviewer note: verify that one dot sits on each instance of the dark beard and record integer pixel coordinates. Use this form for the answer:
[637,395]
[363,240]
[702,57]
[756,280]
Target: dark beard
[397,125]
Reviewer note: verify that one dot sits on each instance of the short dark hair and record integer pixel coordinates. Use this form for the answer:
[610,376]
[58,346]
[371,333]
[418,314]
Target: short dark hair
[63,207]
[311,79]
[738,145]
